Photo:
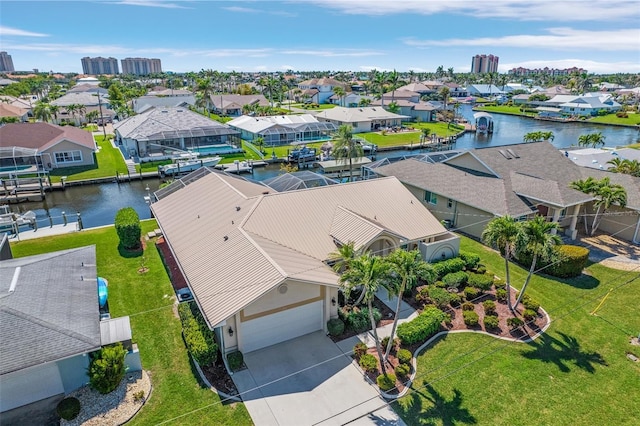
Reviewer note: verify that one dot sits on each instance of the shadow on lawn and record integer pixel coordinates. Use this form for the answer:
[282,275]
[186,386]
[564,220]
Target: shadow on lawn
[563,352]
[449,412]
[583,281]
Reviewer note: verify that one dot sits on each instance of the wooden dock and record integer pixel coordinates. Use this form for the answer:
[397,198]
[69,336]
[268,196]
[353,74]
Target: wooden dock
[18,190]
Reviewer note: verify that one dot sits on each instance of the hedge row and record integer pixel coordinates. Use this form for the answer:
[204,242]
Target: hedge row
[199,339]
[422,327]
[568,261]
[448,266]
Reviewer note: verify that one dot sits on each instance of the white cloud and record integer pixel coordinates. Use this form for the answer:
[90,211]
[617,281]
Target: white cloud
[324,53]
[152,3]
[523,10]
[556,39]
[241,9]
[591,66]
[8,31]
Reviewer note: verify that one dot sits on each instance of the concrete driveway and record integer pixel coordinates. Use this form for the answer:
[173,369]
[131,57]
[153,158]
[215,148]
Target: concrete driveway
[309,381]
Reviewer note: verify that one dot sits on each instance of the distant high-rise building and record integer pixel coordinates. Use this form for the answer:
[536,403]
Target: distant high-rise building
[99,65]
[484,63]
[6,63]
[141,66]
[547,71]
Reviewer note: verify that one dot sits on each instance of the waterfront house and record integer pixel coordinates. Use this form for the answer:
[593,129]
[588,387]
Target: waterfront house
[49,324]
[236,105]
[49,146]
[90,101]
[583,105]
[523,180]
[145,103]
[362,119]
[256,261]
[484,90]
[320,89]
[282,129]
[158,132]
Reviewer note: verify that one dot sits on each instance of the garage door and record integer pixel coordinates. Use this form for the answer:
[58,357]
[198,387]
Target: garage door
[30,385]
[276,328]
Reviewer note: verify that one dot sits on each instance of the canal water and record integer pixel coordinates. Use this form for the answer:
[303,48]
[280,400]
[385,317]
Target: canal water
[98,204]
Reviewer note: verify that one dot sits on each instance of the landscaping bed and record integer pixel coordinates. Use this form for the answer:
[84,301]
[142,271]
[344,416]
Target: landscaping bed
[386,317]
[218,376]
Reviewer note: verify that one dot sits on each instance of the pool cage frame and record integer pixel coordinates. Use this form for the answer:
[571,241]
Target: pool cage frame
[14,157]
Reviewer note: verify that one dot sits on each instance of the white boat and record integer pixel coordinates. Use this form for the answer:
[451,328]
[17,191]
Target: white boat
[185,166]
[237,166]
[10,222]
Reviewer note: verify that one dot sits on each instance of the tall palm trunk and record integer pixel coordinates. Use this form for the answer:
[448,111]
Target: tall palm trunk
[350,169]
[508,286]
[375,337]
[595,223]
[395,322]
[526,282]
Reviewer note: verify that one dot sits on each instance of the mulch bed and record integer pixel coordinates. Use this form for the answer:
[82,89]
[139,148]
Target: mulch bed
[387,318]
[177,279]
[219,378]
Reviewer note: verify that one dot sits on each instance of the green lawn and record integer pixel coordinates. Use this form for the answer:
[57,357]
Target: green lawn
[633,119]
[576,374]
[504,109]
[409,137]
[147,299]
[108,161]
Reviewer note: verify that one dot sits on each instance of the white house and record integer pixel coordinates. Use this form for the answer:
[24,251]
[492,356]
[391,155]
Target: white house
[365,119]
[324,87]
[282,129]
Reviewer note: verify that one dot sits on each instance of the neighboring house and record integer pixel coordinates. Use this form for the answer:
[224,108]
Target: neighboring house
[609,87]
[90,88]
[522,99]
[233,105]
[8,111]
[419,88]
[4,82]
[17,102]
[52,146]
[484,90]
[590,105]
[283,129]
[350,100]
[256,261]
[364,119]
[409,104]
[49,324]
[320,89]
[145,103]
[520,180]
[455,91]
[150,135]
[598,158]
[164,91]
[89,100]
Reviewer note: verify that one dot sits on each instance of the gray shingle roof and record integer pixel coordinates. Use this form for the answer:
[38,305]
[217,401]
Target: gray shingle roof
[53,312]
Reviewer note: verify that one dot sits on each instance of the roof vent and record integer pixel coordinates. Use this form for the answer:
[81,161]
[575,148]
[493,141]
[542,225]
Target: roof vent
[237,208]
[226,237]
[505,154]
[510,151]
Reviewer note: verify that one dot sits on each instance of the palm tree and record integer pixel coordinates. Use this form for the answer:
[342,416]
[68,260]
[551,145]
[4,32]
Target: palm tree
[444,93]
[393,107]
[506,234]
[425,134]
[626,166]
[42,111]
[346,148]
[369,272]
[341,257]
[393,78]
[204,90]
[339,92]
[540,240]
[408,267]
[587,186]
[608,194]
[591,139]
[379,81]
[54,109]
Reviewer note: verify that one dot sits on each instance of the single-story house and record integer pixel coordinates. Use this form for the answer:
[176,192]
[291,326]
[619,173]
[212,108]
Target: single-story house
[152,134]
[522,180]
[10,112]
[409,104]
[484,90]
[599,158]
[90,101]
[51,146]
[324,87]
[419,88]
[236,105]
[91,88]
[256,261]
[17,102]
[282,129]
[49,324]
[521,99]
[590,105]
[144,103]
[362,119]
[350,100]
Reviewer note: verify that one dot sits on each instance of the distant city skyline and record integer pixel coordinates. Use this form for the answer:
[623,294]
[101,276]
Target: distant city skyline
[601,36]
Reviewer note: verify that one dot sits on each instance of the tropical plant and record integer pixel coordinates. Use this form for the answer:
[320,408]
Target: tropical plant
[393,107]
[588,187]
[540,239]
[538,136]
[407,268]
[591,139]
[368,272]
[346,148]
[340,93]
[624,166]
[606,193]
[507,235]
[107,368]
[42,111]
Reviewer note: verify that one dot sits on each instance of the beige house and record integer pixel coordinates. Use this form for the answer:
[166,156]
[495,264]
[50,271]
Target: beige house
[256,260]
[362,119]
[469,189]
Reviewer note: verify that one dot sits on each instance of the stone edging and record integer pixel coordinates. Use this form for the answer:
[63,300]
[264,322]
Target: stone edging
[414,362]
[210,386]
[143,402]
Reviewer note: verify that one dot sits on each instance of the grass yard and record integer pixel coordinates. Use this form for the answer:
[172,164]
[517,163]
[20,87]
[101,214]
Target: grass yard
[147,299]
[633,119]
[409,137]
[108,161]
[575,374]
[504,109]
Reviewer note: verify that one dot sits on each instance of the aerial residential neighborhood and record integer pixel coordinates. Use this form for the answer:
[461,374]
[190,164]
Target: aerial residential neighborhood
[376,220]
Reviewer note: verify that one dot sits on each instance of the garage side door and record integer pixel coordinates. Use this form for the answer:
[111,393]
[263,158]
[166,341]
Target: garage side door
[276,328]
[30,385]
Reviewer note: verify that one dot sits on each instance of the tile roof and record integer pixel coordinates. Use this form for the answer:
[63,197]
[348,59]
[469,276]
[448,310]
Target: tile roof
[8,110]
[234,243]
[354,115]
[42,136]
[52,312]
[81,98]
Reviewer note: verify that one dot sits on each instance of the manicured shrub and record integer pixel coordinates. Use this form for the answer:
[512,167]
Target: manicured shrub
[127,224]
[529,303]
[471,260]
[386,381]
[422,327]
[481,269]
[501,295]
[491,321]
[529,315]
[470,318]
[402,370]
[368,363]
[422,293]
[439,296]
[471,293]
[404,356]
[68,408]
[455,300]
[358,318]
[567,261]
[335,326]
[107,368]
[455,279]
[235,360]
[440,284]
[489,307]
[385,341]
[138,396]
[481,281]
[514,322]
[198,337]
[359,349]
[448,266]
[468,306]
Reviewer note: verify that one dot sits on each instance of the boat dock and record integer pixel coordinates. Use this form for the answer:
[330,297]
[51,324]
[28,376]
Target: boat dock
[16,190]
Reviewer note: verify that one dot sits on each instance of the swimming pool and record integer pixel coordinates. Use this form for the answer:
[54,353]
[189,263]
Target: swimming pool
[14,168]
[216,149]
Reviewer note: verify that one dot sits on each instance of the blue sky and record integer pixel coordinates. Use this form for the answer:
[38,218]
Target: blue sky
[357,35]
